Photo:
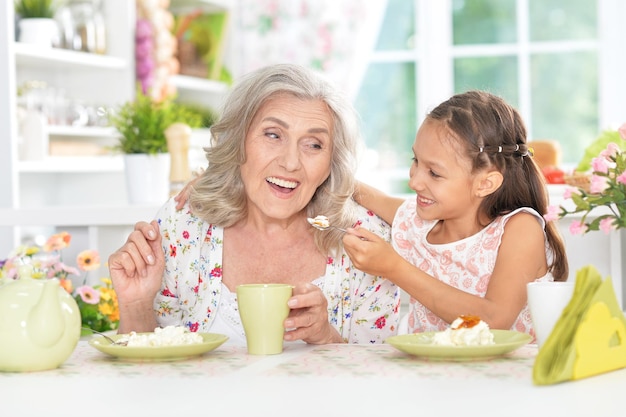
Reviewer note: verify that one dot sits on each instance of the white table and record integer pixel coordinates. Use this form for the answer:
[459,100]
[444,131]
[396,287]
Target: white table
[305,380]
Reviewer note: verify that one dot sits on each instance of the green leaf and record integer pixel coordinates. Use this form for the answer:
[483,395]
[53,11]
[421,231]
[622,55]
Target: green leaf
[581,203]
[35,8]
[595,224]
[598,146]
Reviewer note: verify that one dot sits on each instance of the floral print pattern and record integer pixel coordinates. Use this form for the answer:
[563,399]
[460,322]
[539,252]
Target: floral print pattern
[363,308]
[466,264]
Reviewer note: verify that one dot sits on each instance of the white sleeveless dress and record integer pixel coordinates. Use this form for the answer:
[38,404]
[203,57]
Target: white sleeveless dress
[466,264]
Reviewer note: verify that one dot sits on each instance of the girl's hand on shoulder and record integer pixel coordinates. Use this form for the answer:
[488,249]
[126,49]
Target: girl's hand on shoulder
[183,195]
[308,317]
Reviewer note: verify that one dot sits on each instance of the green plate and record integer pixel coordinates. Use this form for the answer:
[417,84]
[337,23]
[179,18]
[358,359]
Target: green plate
[158,353]
[420,344]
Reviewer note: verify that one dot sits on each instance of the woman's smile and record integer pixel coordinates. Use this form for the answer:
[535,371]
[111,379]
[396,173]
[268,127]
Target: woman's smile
[280,185]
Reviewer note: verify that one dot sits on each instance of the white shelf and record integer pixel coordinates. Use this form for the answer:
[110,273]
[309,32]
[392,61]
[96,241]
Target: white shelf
[83,132]
[186,83]
[208,6]
[202,91]
[73,164]
[35,56]
[90,177]
[78,215]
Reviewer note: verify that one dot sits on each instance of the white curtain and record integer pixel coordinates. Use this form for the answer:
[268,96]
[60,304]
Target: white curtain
[334,36]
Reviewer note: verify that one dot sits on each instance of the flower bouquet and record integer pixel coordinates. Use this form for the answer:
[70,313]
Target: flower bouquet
[98,303]
[605,194]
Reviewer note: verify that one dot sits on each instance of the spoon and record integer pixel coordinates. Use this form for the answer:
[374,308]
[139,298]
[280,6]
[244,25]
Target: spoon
[322,223]
[113,342]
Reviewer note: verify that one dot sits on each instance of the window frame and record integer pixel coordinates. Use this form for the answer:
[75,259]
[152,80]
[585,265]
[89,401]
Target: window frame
[433,55]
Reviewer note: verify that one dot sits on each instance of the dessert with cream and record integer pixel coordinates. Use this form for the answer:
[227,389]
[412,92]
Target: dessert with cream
[319,222]
[166,336]
[465,331]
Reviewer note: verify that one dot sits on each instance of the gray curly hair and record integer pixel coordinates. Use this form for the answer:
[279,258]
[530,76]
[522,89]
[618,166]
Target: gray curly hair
[219,197]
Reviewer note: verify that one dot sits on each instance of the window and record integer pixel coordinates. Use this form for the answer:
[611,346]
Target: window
[557,61]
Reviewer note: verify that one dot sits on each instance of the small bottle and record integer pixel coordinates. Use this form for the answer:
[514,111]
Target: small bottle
[177,136]
[101,29]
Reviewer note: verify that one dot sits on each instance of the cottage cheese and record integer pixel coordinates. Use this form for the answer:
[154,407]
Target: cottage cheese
[465,331]
[167,336]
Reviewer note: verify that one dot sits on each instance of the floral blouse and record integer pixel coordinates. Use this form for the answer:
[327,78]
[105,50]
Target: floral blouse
[466,264]
[363,308]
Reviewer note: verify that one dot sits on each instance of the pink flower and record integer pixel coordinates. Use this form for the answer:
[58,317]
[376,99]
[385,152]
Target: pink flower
[53,267]
[569,191]
[88,294]
[88,260]
[600,165]
[606,225]
[612,149]
[598,184]
[60,270]
[577,228]
[607,186]
[552,214]
[622,131]
[57,242]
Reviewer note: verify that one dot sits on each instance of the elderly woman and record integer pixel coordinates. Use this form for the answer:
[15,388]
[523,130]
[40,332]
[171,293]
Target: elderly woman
[284,150]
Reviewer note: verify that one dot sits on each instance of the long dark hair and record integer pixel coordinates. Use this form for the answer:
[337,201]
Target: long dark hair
[492,134]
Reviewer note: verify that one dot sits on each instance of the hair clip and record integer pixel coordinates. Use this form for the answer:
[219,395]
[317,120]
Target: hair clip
[516,147]
[529,152]
[481,149]
[499,149]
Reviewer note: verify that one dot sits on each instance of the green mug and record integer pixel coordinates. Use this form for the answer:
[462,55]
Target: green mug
[263,309]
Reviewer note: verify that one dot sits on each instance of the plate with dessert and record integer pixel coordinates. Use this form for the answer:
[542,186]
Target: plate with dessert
[164,344]
[467,338]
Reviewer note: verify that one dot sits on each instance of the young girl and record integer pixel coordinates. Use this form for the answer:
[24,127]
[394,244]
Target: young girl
[474,236]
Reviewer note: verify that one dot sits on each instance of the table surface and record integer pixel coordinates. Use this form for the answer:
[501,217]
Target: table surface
[305,380]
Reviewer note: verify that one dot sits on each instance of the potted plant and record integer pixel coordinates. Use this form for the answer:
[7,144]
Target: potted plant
[37,24]
[141,124]
[35,8]
[599,200]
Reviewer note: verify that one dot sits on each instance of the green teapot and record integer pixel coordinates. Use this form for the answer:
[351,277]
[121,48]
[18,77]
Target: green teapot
[39,323]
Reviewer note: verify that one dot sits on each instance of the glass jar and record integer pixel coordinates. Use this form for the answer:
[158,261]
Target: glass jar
[89,26]
[65,20]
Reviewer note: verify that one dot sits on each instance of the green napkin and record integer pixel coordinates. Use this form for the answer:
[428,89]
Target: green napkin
[590,336]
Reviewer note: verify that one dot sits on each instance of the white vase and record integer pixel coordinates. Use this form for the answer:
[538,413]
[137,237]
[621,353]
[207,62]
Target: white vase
[147,178]
[39,31]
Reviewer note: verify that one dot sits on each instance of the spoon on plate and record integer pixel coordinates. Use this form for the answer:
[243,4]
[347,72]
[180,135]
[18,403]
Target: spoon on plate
[322,223]
[113,342]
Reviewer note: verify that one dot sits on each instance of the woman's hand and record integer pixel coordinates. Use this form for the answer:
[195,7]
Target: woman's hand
[136,271]
[308,318]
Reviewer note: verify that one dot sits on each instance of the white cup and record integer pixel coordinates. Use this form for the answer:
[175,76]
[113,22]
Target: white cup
[546,301]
